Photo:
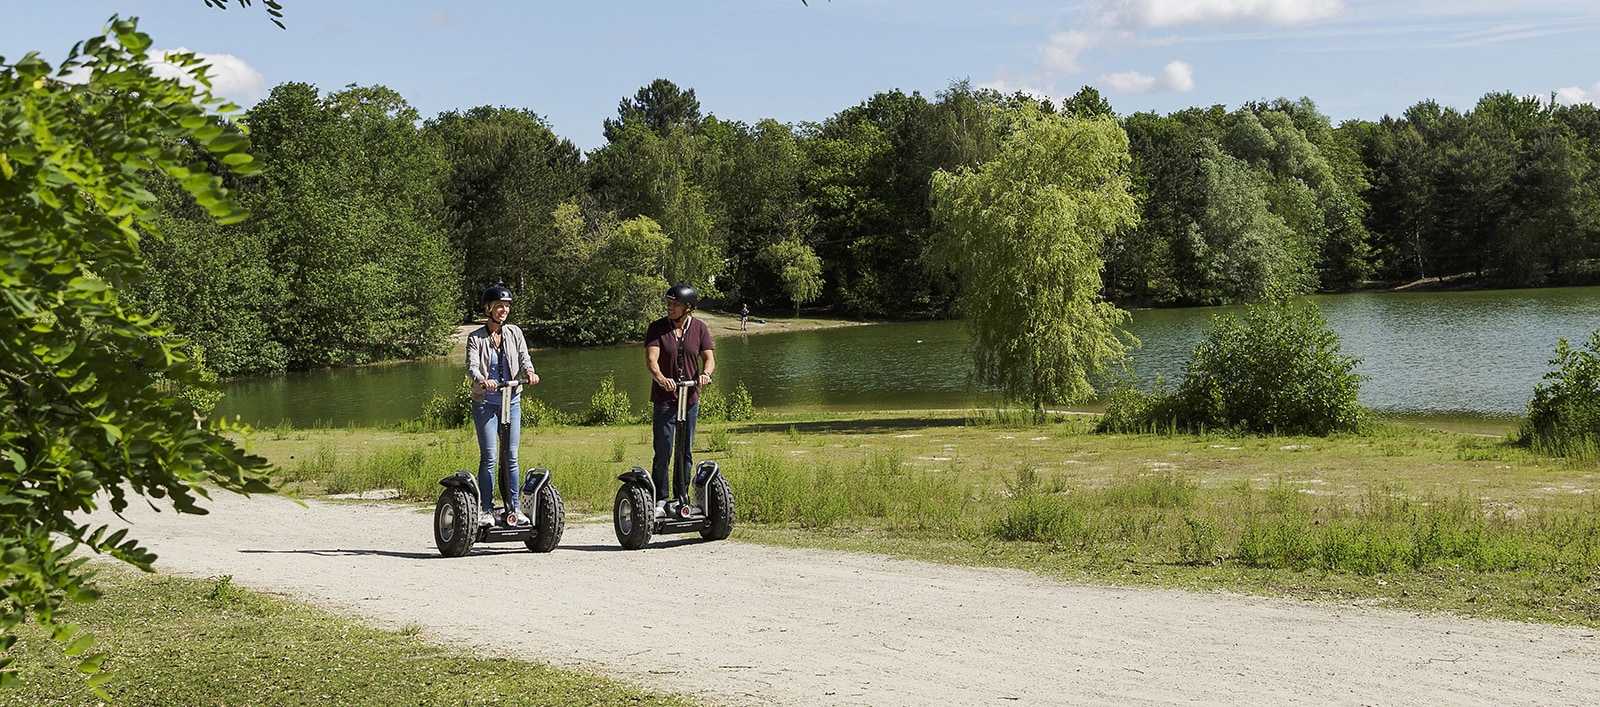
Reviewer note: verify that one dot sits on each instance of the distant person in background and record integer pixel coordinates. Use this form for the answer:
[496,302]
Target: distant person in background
[497,353]
[744,317]
[676,347]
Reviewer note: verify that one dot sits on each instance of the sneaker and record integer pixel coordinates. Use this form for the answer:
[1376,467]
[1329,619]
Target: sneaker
[487,519]
[516,518]
[661,509]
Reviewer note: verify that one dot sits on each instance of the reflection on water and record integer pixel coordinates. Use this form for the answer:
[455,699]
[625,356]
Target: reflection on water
[1468,355]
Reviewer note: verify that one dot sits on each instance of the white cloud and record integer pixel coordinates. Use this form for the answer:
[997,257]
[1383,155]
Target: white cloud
[438,19]
[1060,56]
[231,77]
[1572,95]
[1129,82]
[1178,76]
[1144,14]
[1175,76]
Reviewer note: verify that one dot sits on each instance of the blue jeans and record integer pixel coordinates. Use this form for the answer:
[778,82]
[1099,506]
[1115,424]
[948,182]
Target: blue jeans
[666,424]
[486,420]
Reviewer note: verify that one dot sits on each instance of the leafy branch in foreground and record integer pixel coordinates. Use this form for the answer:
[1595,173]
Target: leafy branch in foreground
[93,407]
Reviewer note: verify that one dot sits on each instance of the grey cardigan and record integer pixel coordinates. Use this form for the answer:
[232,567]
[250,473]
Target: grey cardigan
[480,353]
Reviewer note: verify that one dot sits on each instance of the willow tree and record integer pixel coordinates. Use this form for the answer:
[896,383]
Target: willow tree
[1022,234]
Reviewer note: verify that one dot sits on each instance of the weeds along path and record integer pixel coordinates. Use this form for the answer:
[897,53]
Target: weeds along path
[739,624]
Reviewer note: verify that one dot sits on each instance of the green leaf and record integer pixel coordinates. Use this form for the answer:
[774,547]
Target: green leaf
[227,142]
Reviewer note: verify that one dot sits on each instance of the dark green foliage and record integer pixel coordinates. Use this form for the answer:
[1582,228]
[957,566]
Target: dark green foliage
[346,261]
[734,407]
[1564,414]
[452,409]
[1279,372]
[609,406]
[99,401]
[507,173]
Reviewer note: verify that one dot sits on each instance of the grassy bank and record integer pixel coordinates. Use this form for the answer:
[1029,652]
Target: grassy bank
[1407,517]
[177,641]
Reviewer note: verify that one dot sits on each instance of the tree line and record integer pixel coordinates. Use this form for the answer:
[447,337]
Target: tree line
[373,230]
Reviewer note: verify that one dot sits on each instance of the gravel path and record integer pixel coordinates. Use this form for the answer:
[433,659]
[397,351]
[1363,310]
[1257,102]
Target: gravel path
[740,624]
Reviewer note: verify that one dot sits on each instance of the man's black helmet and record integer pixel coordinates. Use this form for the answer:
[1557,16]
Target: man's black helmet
[496,294]
[683,293]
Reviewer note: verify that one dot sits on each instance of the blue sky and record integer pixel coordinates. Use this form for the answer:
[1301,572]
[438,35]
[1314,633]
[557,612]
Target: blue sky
[572,61]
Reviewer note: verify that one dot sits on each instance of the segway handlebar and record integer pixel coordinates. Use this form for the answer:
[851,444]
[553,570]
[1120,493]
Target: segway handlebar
[508,390]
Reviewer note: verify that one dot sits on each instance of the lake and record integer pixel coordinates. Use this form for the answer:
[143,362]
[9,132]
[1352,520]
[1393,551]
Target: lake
[1459,356]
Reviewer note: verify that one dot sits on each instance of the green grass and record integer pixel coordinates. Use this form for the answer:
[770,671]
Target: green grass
[1392,515]
[176,641]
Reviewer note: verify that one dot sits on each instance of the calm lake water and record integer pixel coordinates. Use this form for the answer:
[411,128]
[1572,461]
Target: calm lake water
[1435,356]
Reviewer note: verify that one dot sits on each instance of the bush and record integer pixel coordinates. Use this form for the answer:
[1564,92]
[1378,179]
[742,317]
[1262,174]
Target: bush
[734,407]
[1279,371]
[445,410]
[1564,414]
[609,406]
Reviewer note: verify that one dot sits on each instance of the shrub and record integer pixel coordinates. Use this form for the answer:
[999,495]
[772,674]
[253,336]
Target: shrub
[1564,414]
[733,407]
[1279,371]
[451,409]
[609,406]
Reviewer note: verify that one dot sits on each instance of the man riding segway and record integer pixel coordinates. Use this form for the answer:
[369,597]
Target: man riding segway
[679,355]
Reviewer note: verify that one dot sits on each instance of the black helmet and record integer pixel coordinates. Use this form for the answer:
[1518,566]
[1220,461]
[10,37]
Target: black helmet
[496,294]
[683,293]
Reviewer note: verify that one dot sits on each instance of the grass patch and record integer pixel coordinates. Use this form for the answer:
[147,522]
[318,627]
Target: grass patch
[178,641]
[1412,517]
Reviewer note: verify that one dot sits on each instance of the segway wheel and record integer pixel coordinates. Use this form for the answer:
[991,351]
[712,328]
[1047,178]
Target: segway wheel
[455,522]
[719,510]
[550,517]
[635,516]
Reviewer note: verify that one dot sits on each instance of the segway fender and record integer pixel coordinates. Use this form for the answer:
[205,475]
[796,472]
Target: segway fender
[537,478]
[638,475]
[460,479]
[704,472]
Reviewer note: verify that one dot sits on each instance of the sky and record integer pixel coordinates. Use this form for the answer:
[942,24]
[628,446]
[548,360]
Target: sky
[572,61]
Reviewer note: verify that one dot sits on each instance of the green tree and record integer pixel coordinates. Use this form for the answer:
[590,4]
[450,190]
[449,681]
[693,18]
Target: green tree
[350,206]
[659,108]
[1023,235]
[799,271]
[655,165]
[91,411]
[604,280]
[507,174]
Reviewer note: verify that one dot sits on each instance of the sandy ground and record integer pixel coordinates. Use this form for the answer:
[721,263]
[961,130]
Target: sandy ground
[740,624]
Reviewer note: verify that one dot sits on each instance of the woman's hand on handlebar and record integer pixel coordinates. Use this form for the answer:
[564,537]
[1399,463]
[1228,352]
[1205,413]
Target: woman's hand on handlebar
[533,378]
[491,385]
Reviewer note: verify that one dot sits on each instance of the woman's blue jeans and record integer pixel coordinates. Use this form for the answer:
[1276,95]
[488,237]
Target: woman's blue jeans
[486,419]
[666,423]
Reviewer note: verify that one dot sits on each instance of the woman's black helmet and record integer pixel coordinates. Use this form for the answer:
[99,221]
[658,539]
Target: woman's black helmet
[683,293]
[496,294]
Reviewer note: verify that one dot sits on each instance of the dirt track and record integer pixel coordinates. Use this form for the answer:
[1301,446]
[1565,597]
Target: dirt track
[740,624]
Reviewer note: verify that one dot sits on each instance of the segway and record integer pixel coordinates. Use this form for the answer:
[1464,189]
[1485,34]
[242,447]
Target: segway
[709,510]
[456,526]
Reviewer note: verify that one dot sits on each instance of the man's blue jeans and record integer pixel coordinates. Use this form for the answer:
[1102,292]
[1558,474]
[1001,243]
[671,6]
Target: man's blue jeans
[666,424]
[486,419]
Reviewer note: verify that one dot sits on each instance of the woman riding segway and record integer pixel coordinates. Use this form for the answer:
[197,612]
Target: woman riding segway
[498,366]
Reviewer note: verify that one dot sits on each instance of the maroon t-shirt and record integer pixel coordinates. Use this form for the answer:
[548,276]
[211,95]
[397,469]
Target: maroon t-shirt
[696,338]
